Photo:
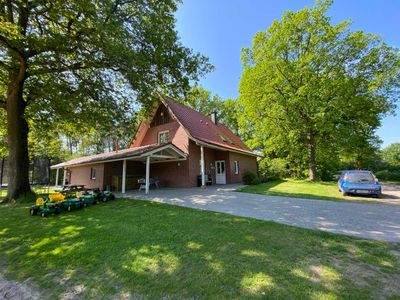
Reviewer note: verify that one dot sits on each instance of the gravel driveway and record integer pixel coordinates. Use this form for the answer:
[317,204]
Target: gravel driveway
[379,221]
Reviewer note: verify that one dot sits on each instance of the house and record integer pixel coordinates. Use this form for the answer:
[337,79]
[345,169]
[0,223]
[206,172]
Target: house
[176,146]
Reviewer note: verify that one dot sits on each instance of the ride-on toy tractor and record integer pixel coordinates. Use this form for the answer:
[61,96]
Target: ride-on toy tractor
[45,207]
[86,198]
[107,195]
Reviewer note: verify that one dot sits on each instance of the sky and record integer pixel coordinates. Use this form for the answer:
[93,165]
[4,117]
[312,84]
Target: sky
[219,29]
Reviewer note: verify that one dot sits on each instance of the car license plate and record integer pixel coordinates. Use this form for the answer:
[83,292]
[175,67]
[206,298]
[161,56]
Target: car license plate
[362,191]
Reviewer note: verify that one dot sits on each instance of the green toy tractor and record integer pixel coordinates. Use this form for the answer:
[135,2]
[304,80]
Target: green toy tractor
[44,207]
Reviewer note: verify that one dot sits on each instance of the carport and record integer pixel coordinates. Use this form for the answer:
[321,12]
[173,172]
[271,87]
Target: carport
[147,154]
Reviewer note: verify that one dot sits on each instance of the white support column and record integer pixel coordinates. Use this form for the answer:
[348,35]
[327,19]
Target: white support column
[123,176]
[64,177]
[203,175]
[58,170]
[147,174]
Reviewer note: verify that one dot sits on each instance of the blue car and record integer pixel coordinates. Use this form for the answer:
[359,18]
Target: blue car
[359,182]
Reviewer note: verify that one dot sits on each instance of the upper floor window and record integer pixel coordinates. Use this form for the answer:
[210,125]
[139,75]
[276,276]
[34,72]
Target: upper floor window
[163,137]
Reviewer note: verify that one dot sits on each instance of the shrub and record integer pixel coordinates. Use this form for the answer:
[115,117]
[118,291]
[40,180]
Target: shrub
[275,168]
[250,178]
[388,175]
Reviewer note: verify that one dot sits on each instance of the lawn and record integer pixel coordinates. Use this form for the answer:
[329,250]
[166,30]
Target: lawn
[303,189]
[36,189]
[139,249]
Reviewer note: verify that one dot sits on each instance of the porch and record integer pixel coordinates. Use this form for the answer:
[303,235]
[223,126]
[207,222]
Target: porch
[120,170]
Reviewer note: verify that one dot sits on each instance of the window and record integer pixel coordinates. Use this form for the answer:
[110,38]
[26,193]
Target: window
[236,163]
[163,137]
[92,173]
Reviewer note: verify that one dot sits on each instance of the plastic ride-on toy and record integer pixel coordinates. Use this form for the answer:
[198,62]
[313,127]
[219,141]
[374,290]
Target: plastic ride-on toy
[44,207]
[86,198]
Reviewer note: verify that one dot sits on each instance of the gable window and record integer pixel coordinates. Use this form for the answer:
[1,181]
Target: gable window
[236,164]
[163,137]
[92,173]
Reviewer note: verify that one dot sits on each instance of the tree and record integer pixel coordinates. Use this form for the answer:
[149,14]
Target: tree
[391,155]
[65,60]
[309,86]
[205,102]
[202,100]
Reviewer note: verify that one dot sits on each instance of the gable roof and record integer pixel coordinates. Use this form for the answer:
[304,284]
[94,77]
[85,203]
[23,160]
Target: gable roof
[201,128]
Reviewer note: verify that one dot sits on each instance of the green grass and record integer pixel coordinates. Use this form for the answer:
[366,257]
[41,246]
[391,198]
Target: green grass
[149,250]
[35,189]
[303,189]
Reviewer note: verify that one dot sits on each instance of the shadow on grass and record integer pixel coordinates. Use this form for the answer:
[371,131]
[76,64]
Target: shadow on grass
[132,249]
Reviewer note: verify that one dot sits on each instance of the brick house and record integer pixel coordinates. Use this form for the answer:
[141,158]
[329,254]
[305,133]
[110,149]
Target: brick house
[176,146]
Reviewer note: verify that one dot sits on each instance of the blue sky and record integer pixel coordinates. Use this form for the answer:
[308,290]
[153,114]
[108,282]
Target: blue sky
[219,29]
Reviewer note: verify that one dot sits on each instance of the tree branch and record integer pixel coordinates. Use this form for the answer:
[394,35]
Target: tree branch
[68,68]
[3,64]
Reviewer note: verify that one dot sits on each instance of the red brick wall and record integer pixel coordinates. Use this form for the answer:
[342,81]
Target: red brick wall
[171,174]
[246,163]
[177,135]
[81,175]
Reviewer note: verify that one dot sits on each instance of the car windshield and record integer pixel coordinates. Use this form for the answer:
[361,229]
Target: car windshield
[360,178]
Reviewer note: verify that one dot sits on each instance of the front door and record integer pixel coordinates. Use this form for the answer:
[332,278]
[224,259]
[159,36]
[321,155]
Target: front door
[220,172]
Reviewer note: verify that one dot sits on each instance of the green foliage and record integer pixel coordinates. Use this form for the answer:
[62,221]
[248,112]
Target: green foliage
[391,155]
[388,175]
[205,102]
[313,92]
[250,178]
[275,168]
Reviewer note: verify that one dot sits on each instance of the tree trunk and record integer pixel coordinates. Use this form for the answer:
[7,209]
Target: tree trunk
[1,173]
[312,166]
[17,136]
[33,172]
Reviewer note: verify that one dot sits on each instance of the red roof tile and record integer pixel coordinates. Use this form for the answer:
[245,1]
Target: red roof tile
[204,129]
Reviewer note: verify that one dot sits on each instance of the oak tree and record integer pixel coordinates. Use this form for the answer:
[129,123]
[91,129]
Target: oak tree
[63,60]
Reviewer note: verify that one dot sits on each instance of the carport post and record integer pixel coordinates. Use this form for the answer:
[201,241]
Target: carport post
[56,184]
[64,177]
[147,174]
[203,178]
[123,176]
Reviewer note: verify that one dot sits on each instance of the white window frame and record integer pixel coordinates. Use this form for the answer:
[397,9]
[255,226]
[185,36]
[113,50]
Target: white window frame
[159,136]
[92,173]
[236,165]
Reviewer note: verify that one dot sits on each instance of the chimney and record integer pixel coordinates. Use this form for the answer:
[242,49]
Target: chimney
[214,117]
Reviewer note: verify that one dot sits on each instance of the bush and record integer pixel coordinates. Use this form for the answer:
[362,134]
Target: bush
[388,175]
[273,169]
[250,178]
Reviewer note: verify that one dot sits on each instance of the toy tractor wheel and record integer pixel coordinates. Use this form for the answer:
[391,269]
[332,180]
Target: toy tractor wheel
[43,214]
[85,204]
[69,208]
[94,201]
[112,197]
[57,210]
[81,205]
[33,211]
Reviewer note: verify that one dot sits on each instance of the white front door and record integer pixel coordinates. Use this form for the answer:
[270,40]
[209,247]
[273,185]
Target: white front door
[220,172]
